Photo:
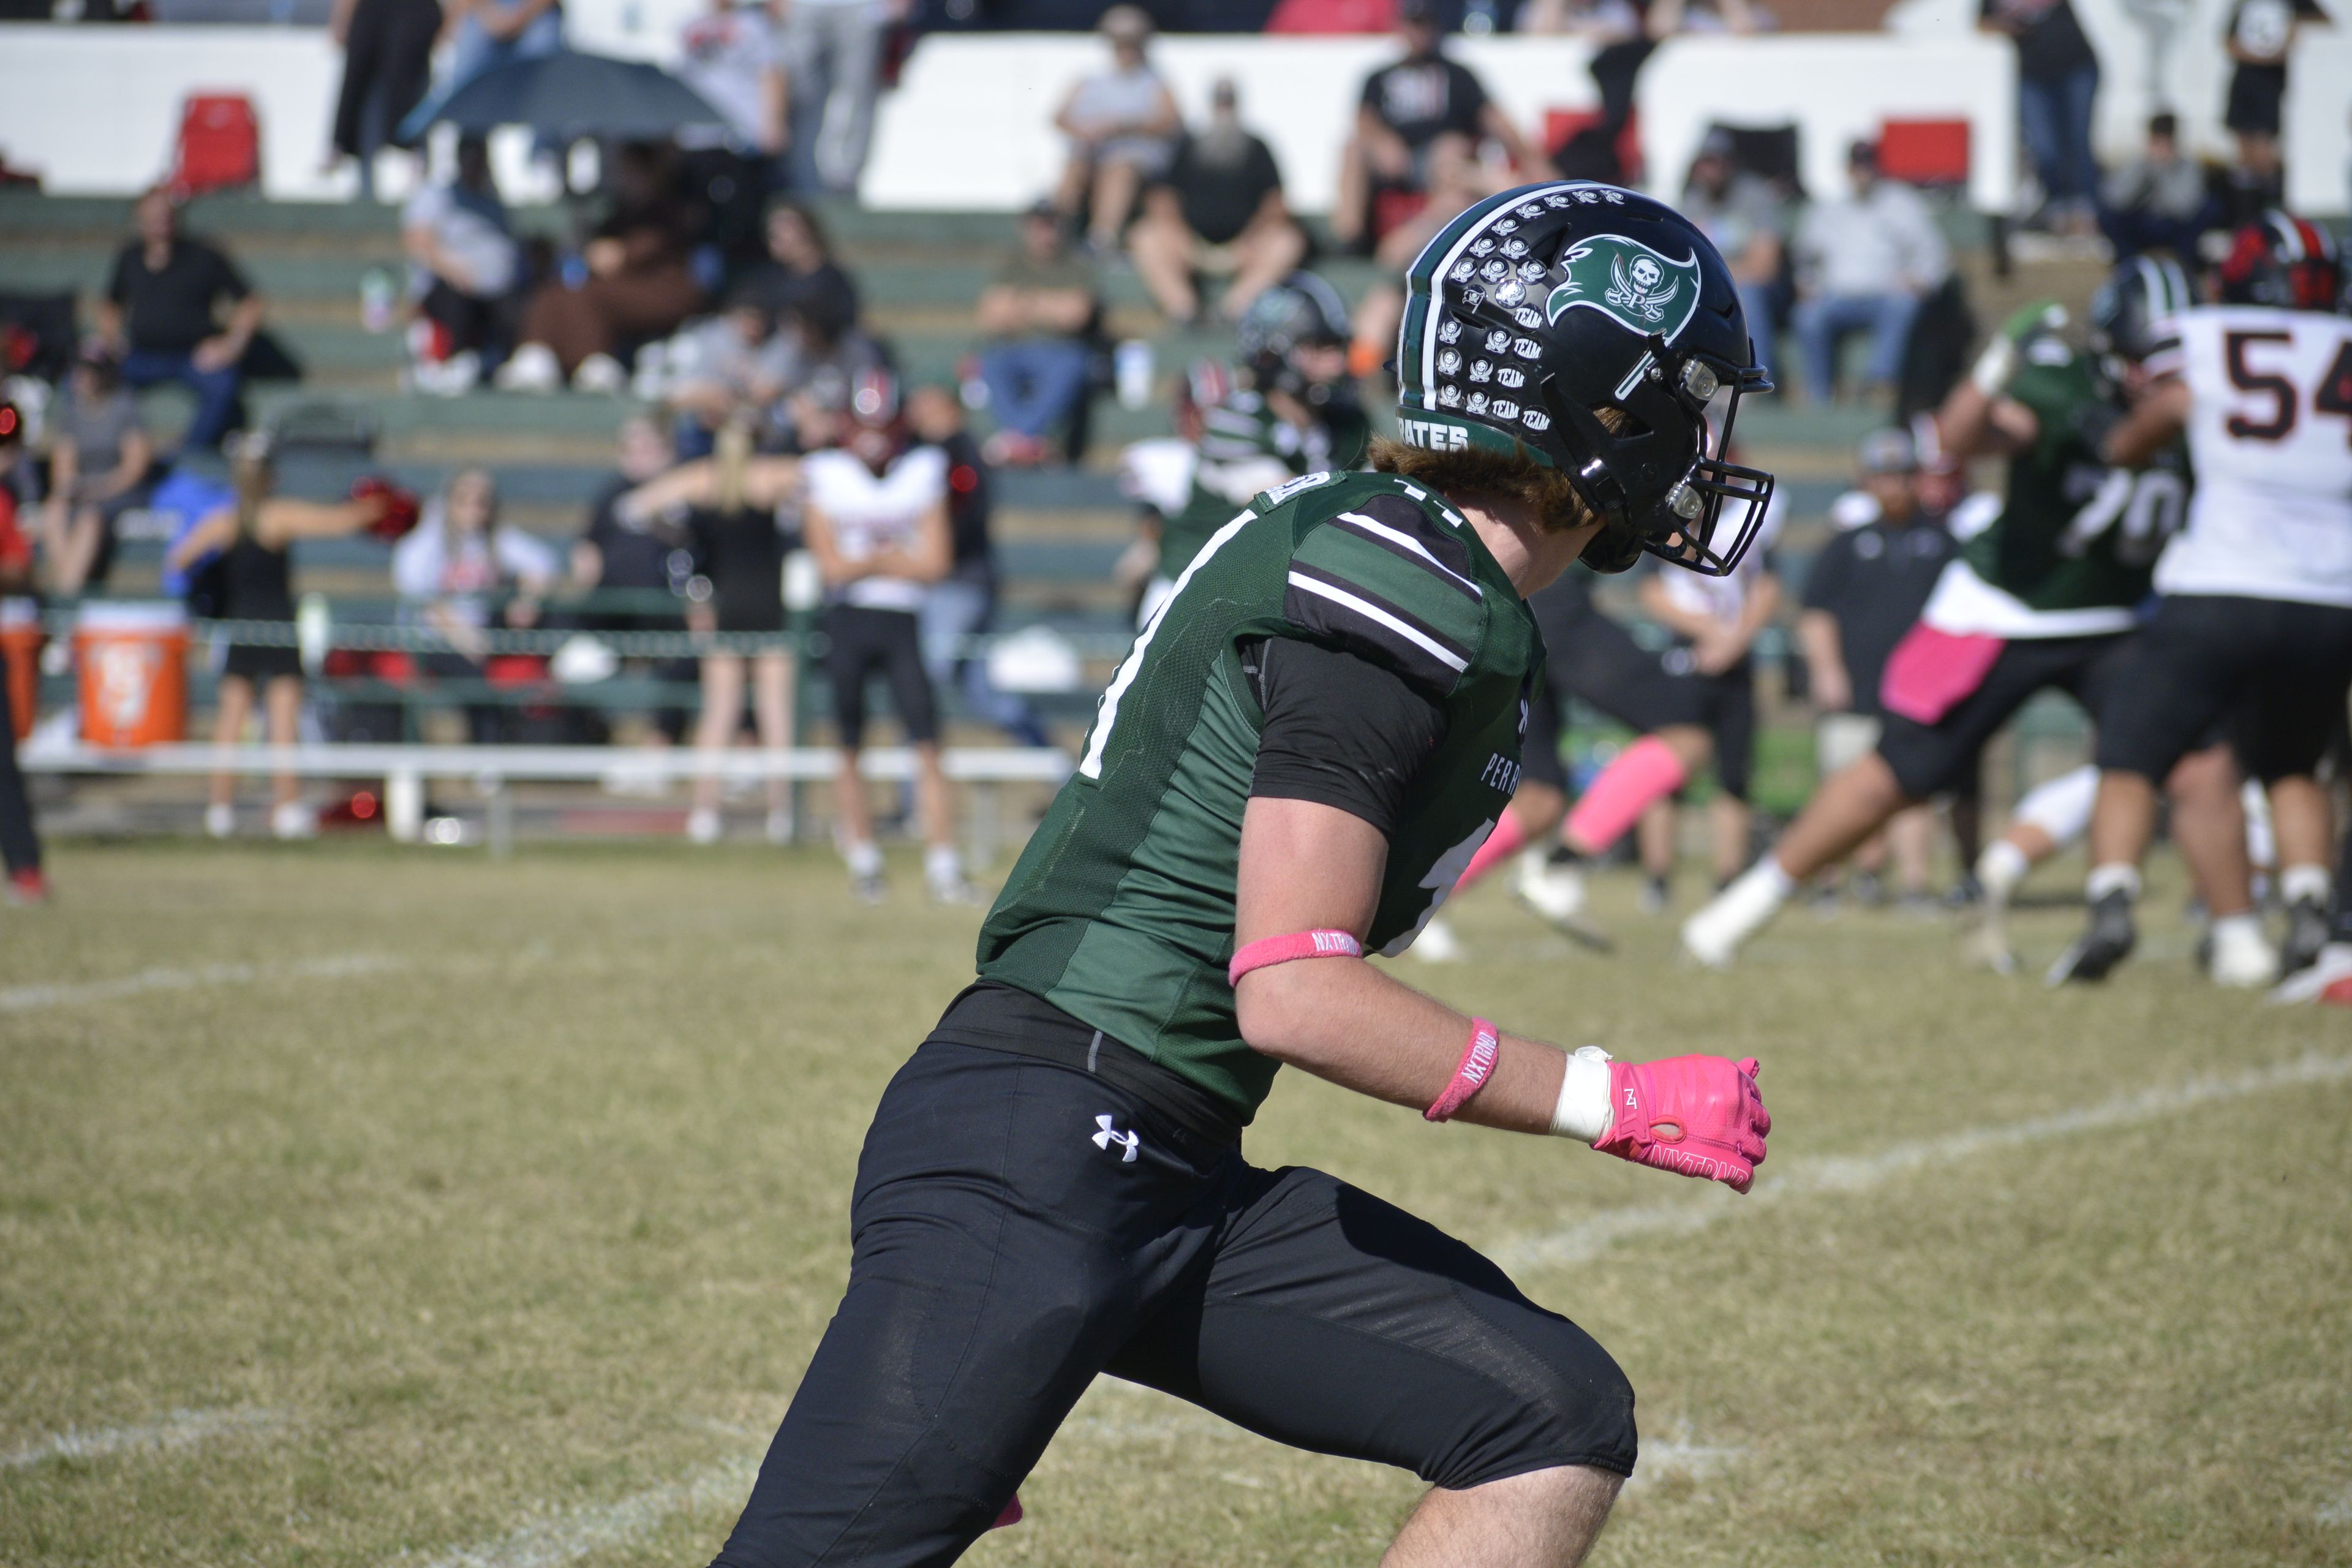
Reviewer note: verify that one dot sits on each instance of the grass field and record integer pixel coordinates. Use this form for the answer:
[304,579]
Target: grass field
[367,1207]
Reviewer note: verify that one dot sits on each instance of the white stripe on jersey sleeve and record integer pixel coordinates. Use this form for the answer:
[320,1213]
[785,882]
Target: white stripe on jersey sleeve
[1380,617]
[1404,541]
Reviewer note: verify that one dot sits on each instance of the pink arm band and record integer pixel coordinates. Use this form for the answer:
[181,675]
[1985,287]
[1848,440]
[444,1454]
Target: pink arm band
[1476,1066]
[1298,944]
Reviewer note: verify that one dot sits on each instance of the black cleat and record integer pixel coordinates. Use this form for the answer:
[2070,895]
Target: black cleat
[2307,934]
[2106,942]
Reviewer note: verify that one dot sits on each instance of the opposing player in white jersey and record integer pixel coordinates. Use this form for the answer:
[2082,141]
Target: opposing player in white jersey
[2255,622]
[876,510]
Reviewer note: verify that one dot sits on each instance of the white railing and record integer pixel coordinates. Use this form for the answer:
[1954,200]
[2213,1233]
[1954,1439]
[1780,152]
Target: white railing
[490,769]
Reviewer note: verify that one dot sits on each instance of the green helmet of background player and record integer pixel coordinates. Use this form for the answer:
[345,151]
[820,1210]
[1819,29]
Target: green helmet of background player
[1598,332]
[1289,327]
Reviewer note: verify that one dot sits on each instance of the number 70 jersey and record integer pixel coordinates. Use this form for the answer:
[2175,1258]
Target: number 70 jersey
[2270,433]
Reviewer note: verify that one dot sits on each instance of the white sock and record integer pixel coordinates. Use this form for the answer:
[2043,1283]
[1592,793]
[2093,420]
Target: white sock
[2297,883]
[1768,873]
[941,864]
[2061,808]
[2116,877]
[865,859]
[2234,928]
[2002,867]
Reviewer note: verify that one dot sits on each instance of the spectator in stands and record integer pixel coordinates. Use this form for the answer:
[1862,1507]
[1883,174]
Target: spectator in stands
[387,63]
[2158,200]
[1863,263]
[962,605]
[484,34]
[640,558]
[733,505]
[2260,37]
[1866,588]
[254,538]
[1122,124]
[734,363]
[1420,117]
[730,55]
[20,848]
[1220,210]
[1040,315]
[461,568]
[1599,22]
[100,466]
[162,313]
[826,360]
[2057,83]
[463,265]
[1664,18]
[832,53]
[801,273]
[1742,214]
[636,285]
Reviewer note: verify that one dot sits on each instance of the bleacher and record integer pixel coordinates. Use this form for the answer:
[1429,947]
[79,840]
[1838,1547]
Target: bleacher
[1058,530]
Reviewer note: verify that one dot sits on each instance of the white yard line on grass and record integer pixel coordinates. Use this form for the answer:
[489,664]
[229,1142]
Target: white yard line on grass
[1857,1173]
[28,998]
[566,1537]
[179,1429]
[2338,1511]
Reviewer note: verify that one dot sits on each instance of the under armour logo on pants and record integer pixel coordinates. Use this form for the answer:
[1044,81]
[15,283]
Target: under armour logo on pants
[1130,1141]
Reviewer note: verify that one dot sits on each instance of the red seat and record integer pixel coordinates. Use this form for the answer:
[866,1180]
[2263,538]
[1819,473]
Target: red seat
[220,143]
[1924,151]
[1333,17]
[1561,124]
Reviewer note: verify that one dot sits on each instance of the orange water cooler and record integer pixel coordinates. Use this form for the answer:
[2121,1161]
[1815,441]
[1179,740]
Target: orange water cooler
[133,659]
[20,659]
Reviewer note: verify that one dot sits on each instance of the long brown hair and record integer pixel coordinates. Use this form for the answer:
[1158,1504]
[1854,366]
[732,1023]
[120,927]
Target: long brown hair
[1475,470]
[731,461]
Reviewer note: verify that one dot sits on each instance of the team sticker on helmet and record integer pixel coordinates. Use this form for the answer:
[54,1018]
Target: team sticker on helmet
[1641,289]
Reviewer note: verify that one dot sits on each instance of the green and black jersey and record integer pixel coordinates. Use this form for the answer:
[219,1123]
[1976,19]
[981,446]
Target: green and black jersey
[1245,448]
[2072,550]
[1121,911]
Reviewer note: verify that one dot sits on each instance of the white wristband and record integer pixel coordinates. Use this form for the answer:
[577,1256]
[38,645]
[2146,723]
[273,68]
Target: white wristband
[1584,1111]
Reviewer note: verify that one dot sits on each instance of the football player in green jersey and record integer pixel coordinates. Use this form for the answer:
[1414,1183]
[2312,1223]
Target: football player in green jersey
[1287,774]
[2045,596]
[1294,413]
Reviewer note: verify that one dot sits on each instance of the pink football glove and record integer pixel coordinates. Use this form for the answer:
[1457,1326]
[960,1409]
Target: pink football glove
[1695,1116]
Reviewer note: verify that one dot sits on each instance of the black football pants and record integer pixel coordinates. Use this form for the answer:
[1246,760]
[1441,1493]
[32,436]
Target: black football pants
[19,849]
[1020,1226]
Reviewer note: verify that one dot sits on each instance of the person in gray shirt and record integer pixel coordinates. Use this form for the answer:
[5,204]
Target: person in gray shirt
[1863,264]
[2158,201]
[101,464]
[1743,215]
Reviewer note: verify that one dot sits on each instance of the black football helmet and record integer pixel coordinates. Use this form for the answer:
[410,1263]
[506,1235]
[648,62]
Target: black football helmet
[1537,309]
[1300,311]
[2137,295]
[2284,261]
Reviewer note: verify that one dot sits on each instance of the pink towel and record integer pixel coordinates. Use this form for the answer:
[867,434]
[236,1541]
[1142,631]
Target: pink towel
[1931,672]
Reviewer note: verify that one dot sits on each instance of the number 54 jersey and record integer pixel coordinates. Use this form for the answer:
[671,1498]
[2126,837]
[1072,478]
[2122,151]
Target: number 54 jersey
[2270,432]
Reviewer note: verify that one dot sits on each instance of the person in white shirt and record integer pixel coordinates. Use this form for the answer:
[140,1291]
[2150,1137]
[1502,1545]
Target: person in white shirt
[1863,264]
[875,517]
[455,568]
[1715,621]
[729,54]
[464,263]
[2255,624]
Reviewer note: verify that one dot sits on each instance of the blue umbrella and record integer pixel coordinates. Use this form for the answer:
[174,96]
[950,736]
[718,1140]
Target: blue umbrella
[567,96]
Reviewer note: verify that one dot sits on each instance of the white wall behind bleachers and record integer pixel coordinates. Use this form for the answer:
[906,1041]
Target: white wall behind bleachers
[93,109]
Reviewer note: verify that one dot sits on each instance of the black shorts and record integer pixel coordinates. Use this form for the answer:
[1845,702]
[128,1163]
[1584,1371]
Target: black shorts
[260,665]
[1727,707]
[858,643]
[1591,658]
[1021,1225]
[2274,673]
[1928,760]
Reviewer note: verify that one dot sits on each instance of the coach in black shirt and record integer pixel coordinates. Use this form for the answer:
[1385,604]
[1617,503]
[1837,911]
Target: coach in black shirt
[163,310]
[1864,591]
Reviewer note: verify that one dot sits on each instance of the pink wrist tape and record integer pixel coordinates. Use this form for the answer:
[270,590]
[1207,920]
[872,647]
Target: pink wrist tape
[1298,944]
[1470,1076]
